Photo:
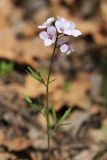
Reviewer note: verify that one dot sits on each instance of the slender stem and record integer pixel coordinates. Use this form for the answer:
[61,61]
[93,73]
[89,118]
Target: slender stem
[50,68]
[48,122]
[47,101]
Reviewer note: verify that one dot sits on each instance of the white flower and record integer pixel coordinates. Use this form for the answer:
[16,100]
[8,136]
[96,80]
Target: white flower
[66,27]
[47,23]
[49,37]
[61,18]
[65,47]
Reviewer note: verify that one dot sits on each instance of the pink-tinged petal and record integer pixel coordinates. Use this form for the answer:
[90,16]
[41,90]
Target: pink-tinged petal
[44,25]
[76,33]
[51,30]
[43,35]
[53,39]
[64,48]
[72,25]
[47,23]
[61,18]
[50,20]
[66,25]
[59,25]
[68,32]
[47,42]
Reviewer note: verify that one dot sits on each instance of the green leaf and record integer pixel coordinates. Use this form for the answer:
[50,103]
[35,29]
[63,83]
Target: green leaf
[64,124]
[35,74]
[52,81]
[59,129]
[39,104]
[65,115]
[27,99]
[54,116]
[35,106]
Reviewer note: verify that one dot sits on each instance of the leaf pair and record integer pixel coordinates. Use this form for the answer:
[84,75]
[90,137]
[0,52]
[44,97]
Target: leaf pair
[29,101]
[35,74]
[59,122]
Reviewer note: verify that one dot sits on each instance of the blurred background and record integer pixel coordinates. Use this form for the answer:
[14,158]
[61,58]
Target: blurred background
[81,81]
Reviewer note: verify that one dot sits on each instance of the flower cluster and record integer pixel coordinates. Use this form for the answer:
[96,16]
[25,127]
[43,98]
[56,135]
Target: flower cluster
[57,28]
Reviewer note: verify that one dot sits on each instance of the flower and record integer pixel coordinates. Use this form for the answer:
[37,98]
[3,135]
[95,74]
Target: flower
[65,47]
[47,23]
[49,37]
[56,29]
[66,27]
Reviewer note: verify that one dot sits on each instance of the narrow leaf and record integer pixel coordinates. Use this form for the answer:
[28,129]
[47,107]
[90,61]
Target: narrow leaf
[52,81]
[66,114]
[59,129]
[35,74]
[59,123]
[39,104]
[63,124]
[27,99]
[35,106]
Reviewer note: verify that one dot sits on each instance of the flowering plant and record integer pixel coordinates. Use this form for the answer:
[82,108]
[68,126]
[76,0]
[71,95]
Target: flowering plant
[56,29]
[54,32]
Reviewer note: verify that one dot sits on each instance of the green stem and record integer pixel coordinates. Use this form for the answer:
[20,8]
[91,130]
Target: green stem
[47,101]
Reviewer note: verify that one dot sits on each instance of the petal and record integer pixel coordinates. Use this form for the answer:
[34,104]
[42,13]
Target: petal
[42,27]
[64,48]
[76,33]
[51,30]
[53,39]
[43,35]
[62,25]
[47,23]
[61,18]
[72,25]
[47,42]
[50,20]
[66,25]
[68,32]
[59,25]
